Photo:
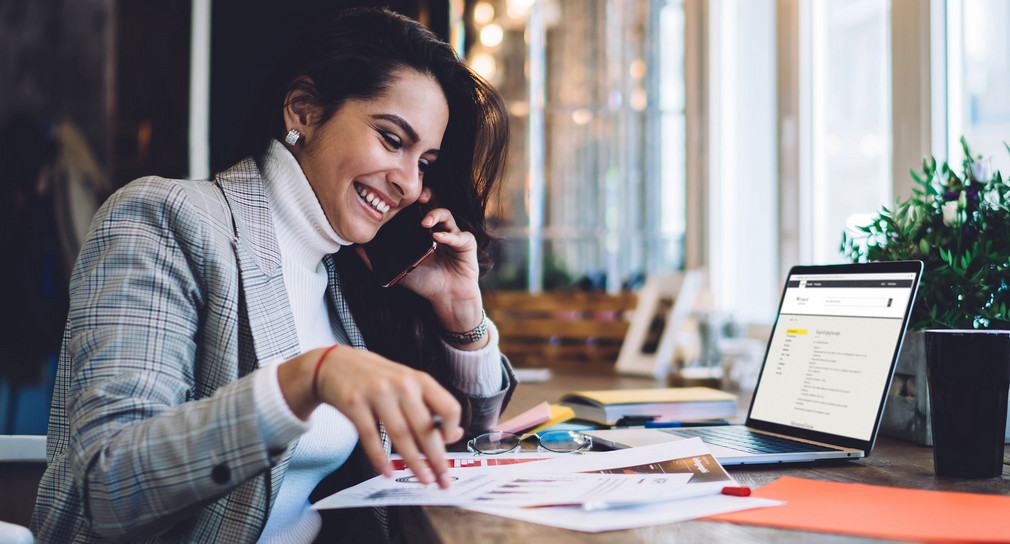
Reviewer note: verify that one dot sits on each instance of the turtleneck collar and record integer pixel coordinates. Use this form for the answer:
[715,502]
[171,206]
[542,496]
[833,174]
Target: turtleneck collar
[304,234]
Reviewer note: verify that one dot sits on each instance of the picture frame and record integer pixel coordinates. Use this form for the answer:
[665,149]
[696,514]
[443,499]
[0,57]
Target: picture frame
[664,303]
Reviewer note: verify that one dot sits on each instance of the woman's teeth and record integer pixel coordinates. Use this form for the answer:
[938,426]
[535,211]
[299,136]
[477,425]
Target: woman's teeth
[375,201]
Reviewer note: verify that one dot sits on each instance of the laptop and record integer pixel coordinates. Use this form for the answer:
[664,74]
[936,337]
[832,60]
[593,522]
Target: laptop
[822,386]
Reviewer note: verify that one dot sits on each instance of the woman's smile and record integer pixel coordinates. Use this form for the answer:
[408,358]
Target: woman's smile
[373,199]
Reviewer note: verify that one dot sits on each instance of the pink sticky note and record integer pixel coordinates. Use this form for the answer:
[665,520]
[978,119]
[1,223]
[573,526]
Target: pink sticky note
[530,418]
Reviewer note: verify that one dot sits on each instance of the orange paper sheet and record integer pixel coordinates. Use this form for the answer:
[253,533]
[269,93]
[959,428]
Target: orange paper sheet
[880,512]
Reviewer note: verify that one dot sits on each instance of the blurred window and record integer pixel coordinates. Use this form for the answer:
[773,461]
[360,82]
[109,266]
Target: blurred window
[848,80]
[978,79]
[595,188]
[742,185]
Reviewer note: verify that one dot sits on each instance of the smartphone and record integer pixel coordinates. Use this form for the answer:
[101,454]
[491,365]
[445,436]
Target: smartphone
[399,246]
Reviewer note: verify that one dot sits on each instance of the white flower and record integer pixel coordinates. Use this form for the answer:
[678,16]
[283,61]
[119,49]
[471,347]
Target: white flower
[950,213]
[981,169]
[991,199]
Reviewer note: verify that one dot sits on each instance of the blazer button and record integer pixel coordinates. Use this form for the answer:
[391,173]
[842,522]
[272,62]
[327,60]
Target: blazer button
[221,474]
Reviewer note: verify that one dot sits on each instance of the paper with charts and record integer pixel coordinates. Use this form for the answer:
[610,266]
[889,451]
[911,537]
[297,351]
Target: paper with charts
[485,488]
[700,497]
[601,490]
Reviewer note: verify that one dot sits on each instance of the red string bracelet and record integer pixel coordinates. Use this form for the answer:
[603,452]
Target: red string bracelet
[315,374]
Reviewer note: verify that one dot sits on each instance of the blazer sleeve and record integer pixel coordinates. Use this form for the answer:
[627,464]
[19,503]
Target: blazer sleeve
[150,443]
[469,374]
[485,410]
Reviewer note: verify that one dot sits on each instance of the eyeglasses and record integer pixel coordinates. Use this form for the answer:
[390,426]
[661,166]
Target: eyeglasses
[495,443]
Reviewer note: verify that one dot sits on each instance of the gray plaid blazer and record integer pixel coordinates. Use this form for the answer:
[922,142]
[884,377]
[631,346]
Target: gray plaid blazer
[177,296]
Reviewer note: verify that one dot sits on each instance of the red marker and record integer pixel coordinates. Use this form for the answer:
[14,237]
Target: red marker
[736,491]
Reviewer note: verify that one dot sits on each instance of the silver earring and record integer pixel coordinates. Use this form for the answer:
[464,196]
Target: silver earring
[292,137]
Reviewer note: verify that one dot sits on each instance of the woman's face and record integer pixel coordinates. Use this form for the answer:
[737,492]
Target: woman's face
[367,162]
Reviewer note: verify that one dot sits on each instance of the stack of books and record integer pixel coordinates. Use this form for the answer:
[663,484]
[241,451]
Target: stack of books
[608,407]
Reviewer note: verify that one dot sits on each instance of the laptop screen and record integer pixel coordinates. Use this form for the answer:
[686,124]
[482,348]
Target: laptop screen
[833,348]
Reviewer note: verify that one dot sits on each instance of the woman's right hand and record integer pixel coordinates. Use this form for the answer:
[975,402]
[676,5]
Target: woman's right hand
[368,388]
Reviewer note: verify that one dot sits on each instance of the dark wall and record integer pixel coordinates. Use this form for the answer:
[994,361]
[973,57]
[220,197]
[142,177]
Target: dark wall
[151,100]
[118,70]
[56,66]
[55,62]
[117,74]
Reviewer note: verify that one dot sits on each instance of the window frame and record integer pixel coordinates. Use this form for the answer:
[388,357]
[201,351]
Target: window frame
[919,122]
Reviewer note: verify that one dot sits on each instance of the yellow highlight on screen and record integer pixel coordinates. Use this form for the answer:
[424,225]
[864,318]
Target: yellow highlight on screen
[796,331]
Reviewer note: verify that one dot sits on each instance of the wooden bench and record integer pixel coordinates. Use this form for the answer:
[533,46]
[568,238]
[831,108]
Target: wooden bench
[571,330]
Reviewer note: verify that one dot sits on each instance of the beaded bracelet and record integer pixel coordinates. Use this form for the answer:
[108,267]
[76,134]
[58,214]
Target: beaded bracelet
[470,336]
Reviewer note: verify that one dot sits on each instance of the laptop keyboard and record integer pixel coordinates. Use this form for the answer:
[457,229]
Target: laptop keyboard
[743,439]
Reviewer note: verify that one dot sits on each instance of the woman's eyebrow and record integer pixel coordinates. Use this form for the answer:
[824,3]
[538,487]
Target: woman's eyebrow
[404,125]
[400,122]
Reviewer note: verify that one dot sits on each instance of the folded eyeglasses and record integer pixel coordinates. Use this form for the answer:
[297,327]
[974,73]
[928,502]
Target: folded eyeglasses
[497,442]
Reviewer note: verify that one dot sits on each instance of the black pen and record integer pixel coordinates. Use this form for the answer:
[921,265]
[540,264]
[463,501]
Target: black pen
[670,424]
[633,421]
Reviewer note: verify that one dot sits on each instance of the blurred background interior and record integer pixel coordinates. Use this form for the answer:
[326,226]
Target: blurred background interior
[731,137]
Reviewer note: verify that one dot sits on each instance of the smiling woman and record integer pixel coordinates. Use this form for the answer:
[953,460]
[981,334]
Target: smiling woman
[367,162]
[223,356]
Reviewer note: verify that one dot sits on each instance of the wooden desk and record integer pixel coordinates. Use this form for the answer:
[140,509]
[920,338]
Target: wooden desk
[892,463]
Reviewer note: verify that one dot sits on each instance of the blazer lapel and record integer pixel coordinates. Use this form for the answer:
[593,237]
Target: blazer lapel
[335,290]
[271,324]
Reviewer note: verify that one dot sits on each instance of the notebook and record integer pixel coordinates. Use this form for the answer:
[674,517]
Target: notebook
[827,369]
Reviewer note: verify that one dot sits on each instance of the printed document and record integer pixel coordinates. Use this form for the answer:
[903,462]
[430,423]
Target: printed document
[487,488]
[593,491]
[702,496]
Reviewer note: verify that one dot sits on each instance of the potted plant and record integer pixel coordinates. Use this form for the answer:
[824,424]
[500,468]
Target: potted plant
[958,224]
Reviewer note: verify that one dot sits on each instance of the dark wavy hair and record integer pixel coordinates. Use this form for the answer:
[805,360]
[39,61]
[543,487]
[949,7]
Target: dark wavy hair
[354,54]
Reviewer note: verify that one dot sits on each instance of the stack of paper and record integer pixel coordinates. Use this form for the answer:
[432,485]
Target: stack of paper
[597,491]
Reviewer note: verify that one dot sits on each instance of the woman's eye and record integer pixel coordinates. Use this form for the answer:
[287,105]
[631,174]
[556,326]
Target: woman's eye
[391,140]
[423,165]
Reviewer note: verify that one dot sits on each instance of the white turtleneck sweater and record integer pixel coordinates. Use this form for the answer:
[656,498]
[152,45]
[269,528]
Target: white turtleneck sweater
[326,440]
